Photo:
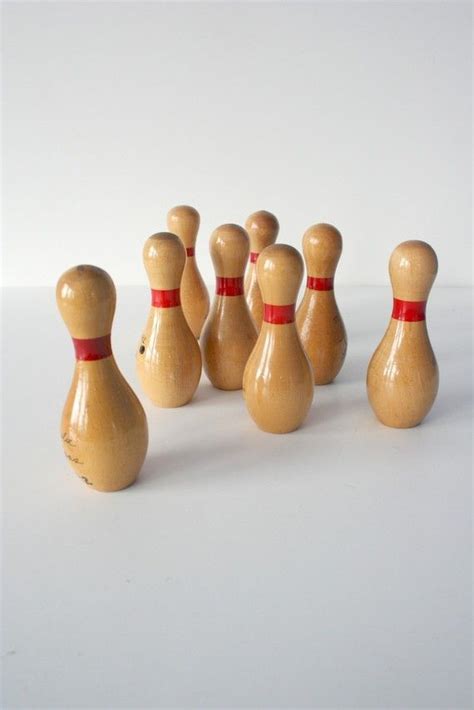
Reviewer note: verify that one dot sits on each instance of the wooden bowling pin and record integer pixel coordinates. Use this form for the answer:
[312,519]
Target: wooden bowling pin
[318,320]
[103,429]
[402,378]
[184,221]
[168,357]
[278,378]
[262,228]
[229,333]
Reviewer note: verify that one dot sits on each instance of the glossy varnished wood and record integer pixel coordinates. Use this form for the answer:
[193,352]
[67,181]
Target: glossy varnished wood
[402,377]
[168,356]
[184,221]
[262,228]
[103,428]
[229,333]
[318,319]
[278,379]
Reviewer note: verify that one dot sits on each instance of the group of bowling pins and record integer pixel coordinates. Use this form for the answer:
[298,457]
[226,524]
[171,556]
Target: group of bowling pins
[251,338]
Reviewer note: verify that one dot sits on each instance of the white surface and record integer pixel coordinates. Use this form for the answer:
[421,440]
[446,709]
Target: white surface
[353,113]
[328,568]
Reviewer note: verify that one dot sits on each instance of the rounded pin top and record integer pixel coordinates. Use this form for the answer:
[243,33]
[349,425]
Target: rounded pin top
[86,300]
[229,246]
[322,248]
[184,220]
[262,228]
[164,257]
[279,272]
[413,267]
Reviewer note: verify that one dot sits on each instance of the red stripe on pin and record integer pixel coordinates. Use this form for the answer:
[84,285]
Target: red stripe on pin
[89,349]
[229,286]
[189,251]
[165,299]
[410,311]
[320,284]
[278,315]
[253,257]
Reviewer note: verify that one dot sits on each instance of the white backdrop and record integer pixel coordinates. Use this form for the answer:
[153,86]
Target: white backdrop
[352,113]
[327,569]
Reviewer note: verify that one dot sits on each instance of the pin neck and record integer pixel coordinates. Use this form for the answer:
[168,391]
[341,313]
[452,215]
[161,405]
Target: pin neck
[161,298]
[89,349]
[189,251]
[253,257]
[278,315]
[229,286]
[410,311]
[315,283]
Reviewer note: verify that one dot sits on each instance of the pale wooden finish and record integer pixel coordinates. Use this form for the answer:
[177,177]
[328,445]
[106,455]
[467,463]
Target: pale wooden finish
[262,228]
[184,221]
[103,428]
[168,356]
[318,319]
[278,378]
[402,377]
[229,333]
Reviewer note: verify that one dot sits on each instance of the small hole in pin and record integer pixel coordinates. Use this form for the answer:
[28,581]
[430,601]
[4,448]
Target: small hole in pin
[142,349]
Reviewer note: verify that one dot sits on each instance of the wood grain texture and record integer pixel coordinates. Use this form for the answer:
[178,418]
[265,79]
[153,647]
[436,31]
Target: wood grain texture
[103,427]
[184,221]
[278,378]
[168,356]
[402,377]
[229,333]
[319,322]
[262,228]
